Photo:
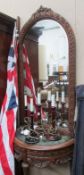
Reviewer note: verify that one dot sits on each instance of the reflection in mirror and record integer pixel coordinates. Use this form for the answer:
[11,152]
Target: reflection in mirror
[53,49]
[47,46]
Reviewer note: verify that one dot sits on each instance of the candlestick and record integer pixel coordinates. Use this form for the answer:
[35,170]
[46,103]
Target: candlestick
[53,113]
[49,111]
[63,108]
[53,110]
[63,112]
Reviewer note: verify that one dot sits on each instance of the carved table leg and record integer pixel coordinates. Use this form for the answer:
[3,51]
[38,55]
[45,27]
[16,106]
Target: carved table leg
[25,167]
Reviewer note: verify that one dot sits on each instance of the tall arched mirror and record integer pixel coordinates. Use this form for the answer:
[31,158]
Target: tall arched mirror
[50,45]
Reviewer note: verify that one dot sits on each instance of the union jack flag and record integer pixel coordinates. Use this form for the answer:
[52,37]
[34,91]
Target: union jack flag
[9,112]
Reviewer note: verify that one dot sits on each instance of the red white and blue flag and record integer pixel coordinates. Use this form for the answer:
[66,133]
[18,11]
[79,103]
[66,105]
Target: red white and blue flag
[29,88]
[9,112]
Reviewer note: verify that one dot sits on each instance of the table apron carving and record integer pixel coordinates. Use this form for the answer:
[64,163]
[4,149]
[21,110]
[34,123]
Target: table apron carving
[43,158]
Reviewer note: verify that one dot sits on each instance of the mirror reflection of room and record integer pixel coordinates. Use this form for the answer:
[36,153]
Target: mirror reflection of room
[52,51]
[47,46]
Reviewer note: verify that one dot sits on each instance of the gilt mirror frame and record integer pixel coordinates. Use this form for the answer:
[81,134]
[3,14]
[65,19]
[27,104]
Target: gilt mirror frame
[40,14]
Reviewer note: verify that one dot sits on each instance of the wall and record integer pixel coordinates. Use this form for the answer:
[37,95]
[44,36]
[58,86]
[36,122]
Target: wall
[71,10]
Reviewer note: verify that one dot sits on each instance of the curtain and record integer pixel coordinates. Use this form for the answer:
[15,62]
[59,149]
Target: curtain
[78,155]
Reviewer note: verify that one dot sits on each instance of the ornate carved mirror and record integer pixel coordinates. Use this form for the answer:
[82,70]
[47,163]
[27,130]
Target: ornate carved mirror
[50,43]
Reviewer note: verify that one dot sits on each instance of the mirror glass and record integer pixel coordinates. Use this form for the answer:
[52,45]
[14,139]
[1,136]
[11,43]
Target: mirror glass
[47,45]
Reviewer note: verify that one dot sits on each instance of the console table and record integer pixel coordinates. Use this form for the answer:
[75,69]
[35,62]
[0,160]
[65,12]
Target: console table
[43,153]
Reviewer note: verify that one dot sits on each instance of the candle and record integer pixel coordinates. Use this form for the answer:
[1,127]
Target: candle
[53,100]
[57,96]
[25,100]
[59,105]
[25,132]
[67,105]
[31,105]
[49,95]
[39,98]
[41,137]
[60,70]
[63,97]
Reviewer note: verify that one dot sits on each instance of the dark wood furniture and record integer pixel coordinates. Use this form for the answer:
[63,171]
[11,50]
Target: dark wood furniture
[32,48]
[43,155]
[6,29]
